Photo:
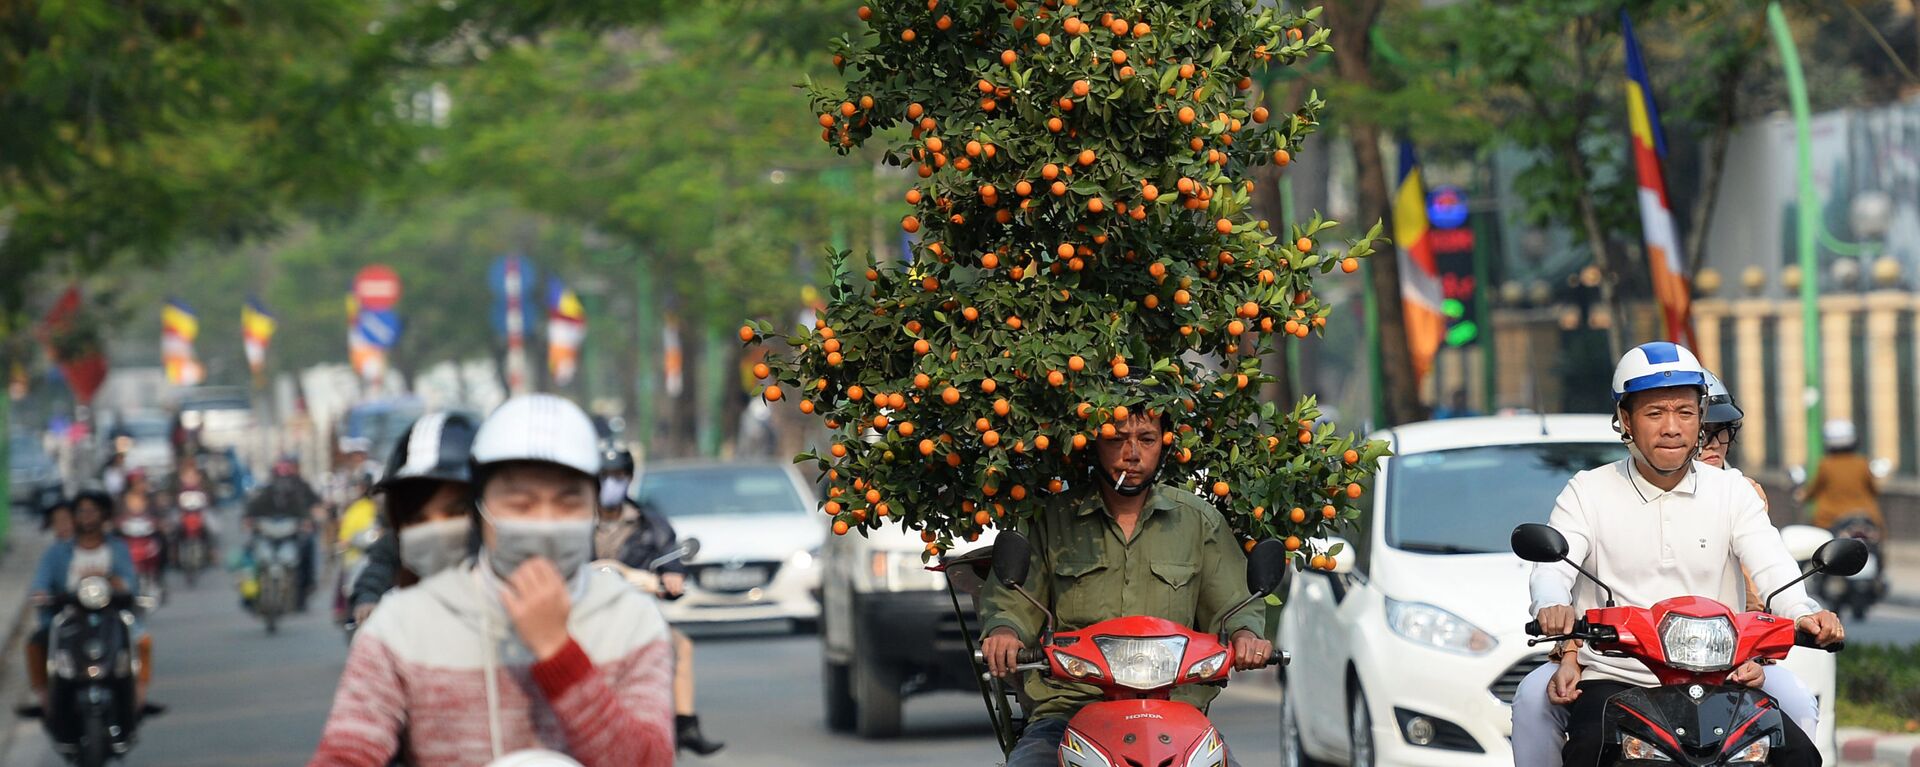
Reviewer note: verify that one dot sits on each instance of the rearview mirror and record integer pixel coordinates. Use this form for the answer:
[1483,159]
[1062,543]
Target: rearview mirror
[691,547]
[1539,543]
[1011,558]
[1267,568]
[1840,556]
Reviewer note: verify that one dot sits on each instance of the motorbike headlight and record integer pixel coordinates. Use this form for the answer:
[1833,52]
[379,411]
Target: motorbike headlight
[1697,644]
[1079,668]
[1755,753]
[1209,752]
[1435,627]
[1207,666]
[93,592]
[1143,664]
[1635,748]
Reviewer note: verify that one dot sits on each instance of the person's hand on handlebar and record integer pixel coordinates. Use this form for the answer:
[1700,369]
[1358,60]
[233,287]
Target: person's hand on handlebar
[1002,650]
[1824,626]
[1556,619]
[1250,652]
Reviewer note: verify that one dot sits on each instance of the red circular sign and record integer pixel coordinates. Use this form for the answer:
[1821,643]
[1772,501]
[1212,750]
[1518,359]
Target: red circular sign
[377,288]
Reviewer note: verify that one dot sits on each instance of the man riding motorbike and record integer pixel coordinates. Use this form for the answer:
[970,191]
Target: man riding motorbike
[527,647]
[428,491]
[1540,726]
[636,536]
[289,496]
[1134,547]
[1843,484]
[92,551]
[1658,525]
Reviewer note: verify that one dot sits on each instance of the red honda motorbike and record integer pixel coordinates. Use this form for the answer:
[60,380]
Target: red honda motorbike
[1136,661]
[1691,644]
[194,545]
[147,543]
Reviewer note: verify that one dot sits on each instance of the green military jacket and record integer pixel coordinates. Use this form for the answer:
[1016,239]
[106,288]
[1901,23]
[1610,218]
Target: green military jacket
[1182,564]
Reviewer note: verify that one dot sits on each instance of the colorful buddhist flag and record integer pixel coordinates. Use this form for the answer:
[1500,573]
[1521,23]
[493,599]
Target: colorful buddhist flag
[256,331]
[1420,293]
[179,326]
[1670,283]
[566,331]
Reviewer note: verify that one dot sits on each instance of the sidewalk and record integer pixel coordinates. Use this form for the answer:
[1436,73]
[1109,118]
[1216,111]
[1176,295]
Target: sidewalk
[16,573]
[1866,748]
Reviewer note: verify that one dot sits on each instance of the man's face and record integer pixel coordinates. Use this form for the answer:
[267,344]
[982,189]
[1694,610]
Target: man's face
[613,493]
[536,492]
[88,518]
[1664,424]
[1134,449]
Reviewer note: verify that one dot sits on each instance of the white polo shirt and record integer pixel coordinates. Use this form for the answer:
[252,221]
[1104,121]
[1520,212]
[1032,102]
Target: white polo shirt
[1650,545]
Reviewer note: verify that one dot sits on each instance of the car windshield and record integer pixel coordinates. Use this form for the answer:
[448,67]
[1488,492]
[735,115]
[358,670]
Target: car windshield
[1468,500]
[24,451]
[718,490]
[144,428]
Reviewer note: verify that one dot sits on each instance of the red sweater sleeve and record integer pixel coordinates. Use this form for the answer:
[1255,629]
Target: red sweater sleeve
[368,710]
[616,715]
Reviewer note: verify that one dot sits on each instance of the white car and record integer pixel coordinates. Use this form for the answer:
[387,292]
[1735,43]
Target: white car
[760,533]
[1409,652]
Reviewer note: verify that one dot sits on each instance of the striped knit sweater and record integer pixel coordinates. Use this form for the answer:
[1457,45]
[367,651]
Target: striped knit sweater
[416,673]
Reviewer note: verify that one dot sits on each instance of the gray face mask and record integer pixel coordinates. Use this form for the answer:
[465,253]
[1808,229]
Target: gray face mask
[430,547]
[567,543]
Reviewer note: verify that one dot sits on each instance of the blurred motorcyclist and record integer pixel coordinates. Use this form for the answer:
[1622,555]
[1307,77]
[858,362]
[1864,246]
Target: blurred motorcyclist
[636,536]
[289,496]
[92,551]
[1843,484]
[428,493]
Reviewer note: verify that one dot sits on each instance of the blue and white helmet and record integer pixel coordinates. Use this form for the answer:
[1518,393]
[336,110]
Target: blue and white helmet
[1657,365]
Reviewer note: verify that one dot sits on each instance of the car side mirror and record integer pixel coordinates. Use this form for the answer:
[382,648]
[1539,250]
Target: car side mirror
[1012,556]
[1803,540]
[1840,556]
[1343,563]
[1539,543]
[1267,570]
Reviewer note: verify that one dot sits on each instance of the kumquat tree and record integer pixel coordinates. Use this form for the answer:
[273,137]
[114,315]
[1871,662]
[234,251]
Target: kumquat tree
[1082,233]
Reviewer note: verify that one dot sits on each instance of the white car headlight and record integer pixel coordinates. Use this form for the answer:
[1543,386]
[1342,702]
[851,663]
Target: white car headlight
[1755,753]
[1435,627]
[1697,644]
[1143,664]
[1207,666]
[1637,749]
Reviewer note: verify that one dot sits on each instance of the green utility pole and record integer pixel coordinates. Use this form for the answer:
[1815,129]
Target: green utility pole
[1807,229]
[713,380]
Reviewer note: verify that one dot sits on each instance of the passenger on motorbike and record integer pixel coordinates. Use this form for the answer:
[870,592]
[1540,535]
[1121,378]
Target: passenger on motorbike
[1658,525]
[92,551]
[636,536]
[428,494]
[1540,725]
[1843,484]
[288,496]
[1133,547]
[58,519]
[525,648]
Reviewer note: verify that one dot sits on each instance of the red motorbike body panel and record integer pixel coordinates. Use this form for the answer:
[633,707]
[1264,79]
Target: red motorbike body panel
[191,523]
[1142,731]
[1761,635]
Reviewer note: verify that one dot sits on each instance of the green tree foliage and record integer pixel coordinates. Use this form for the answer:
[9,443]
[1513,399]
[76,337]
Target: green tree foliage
[1084,247]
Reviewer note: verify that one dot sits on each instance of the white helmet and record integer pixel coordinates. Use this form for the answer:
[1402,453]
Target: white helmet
[1839,433]
[538,427]
[1657,365]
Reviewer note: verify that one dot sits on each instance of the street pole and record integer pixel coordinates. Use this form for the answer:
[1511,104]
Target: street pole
[647,335]
[1375,384]
[1807,229]
[6,447]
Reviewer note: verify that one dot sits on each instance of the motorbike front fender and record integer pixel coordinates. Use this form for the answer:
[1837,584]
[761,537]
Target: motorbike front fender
[1123,732]
[1694,724]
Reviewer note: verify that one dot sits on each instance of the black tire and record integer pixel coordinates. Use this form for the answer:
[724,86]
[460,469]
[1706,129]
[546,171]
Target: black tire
[1360,746]
[837,683]
[876,699]
[94,749]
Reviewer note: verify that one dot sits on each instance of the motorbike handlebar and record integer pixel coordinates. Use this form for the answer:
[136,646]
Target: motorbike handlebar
[1026,656]
[1806,639]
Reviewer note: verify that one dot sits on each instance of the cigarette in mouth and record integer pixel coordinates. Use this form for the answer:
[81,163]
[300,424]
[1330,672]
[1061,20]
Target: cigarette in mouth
[1120,480]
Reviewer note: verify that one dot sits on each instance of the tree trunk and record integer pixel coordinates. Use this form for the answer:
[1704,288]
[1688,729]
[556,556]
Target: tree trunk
[1267,204]
[1350,21]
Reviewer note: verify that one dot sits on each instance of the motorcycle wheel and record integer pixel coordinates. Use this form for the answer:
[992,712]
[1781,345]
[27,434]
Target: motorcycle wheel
[1359,731]
[94,748]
